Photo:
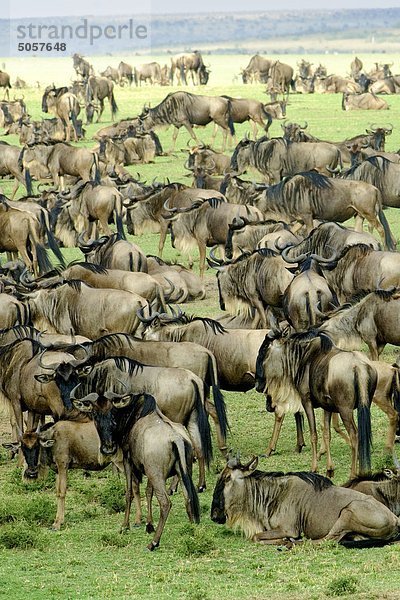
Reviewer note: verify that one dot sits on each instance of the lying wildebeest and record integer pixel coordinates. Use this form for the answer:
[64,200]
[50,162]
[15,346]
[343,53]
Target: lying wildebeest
[87,311]
[277,159]
[305,370]
[152,445]
[373,319]
[235,350]
[205,223]
[308,196]
[258,279]
[274,508]
[383,486]
[63,445]
[64,105]
[334,84]
[187,285]
[359,267]
[113,252]
[202,155]
[366,101]
[12,112]
[97,89]
[46,130]
[182,109]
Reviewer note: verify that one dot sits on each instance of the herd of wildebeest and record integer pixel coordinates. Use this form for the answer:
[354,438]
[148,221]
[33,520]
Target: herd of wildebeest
[102,347]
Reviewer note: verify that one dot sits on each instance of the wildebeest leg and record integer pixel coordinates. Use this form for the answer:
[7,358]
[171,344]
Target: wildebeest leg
[61,490]
[348,421]
[275,434]
[339,431]
[105,227]
[190,130]
[330,471]
[149,501]
[361,517]
[309,410]
[392,415]
[274,536]
[101,109]
[258,305]
[202,257]
[15,189]
[165,506]
[358,223]
[195,438]
[128,493]
[221,441]
[163,237]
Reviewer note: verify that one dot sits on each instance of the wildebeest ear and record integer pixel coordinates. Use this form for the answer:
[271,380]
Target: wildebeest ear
[46,443]
[44,377]
[387,472]
[252,465]
[82,405]
[85,370]
[122,402]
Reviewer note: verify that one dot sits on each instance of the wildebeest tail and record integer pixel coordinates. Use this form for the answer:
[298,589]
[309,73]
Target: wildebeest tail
[114,107]
[184,459]
[390,242]
[183,74]
[96,165]
[363,396]
[73,117]
[203,424]
[51,240]
[230,120]
[268,117]
[28,181]
[118,216]
[395,390]
[370,543]
[219,401]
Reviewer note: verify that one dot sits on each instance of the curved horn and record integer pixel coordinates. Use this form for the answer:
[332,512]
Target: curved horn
[304,126]
[27,280]
[50,367]
[218,261]
[290,260]
[167,208]
[144,319]
[321,259]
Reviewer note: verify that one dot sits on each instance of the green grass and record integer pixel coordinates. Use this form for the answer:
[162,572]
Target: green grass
[89,558]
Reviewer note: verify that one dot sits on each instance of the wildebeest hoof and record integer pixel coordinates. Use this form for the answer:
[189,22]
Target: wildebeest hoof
[152,546]
[299,449]
[55,528]
[150,528]
[330,473]
[201,488]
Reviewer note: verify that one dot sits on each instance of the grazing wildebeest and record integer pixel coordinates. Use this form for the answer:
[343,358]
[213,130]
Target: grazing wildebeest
[257,70]
[372,318]
[182,109]
[275,508]
[281,77]
[63,445]
[152,445]
[277,158]
[366,101]
[5,83]
[205,223]
[307,370]
[64,105]
[125,73]
[253,280]
[97,89]
[189,63]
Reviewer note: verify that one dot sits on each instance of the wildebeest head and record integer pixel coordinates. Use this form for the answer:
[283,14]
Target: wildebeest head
[30,443]
[241,156]
[379,136]
[232,476]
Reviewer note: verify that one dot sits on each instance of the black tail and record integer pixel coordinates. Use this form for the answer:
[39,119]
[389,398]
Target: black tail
[187,481]
[390,242]
[230,120]
[44,263]
[268,117]
[28,181]
[119,224]
[114,107]
[219,400]
[369,543]
[395,390]
[51,240]
[97,175]
[363,402]
[203,425]
[72,116]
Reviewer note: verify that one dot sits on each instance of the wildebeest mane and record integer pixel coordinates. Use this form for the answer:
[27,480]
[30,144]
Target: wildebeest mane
[385,295]
[357,250]
[22,331]
[318,482]
[36,346]
[92,267]
[379,476]
[208,323]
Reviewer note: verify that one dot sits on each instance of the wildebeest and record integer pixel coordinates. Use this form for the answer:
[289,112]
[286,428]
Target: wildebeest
[307,370]
[111,73]
[205,223]
[84,310]
[46,130]
[310,195]
[254,111]
[187,284]
[258,279]
[63,445]
[182,109]
[274,508]
[257,70]
[366,101]
[281,77]
[152,445]
[356,67]
[235,350]
[12,112]
[97,89]
[5,83]
[12,312]
[64,105]
[383,486]
[245,236]
[334,84]
[113,252]
[202,155]
[125,73]
[276,158]
[359,267]
[389,85]
[147,73]
[82,66]
[373,318]
[9,164]
[69,160]
[382,173]
[189,63]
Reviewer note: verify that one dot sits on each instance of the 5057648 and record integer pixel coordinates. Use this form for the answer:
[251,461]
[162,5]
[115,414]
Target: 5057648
[42,47]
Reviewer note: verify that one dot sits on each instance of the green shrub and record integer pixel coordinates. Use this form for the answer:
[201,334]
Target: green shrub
[112,496]
[115,539]
[39,509]
[196,541]
[342,585]
[21,535]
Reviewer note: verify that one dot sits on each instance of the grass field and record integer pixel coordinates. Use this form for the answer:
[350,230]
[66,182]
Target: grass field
[89,558]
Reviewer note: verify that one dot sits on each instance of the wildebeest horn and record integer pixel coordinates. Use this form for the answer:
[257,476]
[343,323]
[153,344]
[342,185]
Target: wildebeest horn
[290,260]
[304,126]
[388,130]
[333,171]
[187,167]
[144,319]
[217,261]
[321,259]
[166,207]
[27,280]
[50,367]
